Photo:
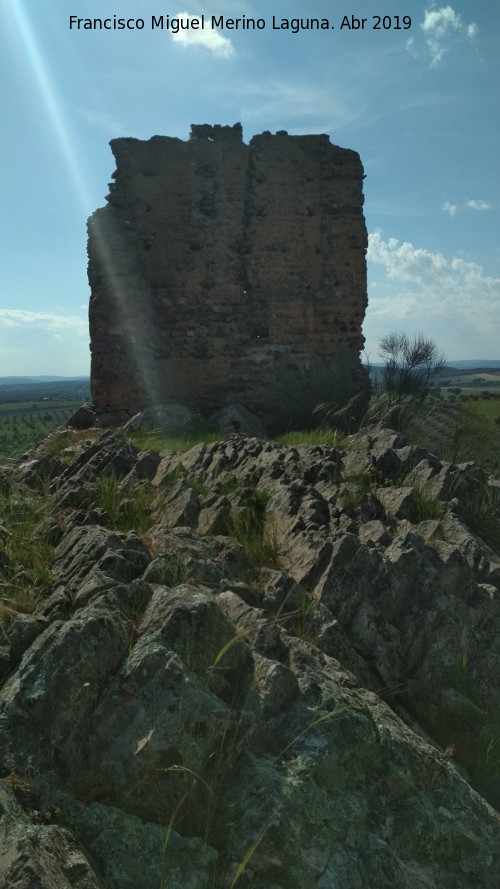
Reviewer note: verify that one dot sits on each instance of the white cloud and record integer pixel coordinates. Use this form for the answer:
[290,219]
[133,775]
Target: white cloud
[478,205]
[50,323]
[449,208]
[442,27]
[43,343]
[207,37]
[451,300]
[439,21]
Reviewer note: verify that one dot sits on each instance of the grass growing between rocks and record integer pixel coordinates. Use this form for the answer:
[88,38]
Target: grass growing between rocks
[156,439]
[172,570]
[65,445]
[324,435]
[300,622]
[427,505]
[128,510]
[25,556]
[252,527]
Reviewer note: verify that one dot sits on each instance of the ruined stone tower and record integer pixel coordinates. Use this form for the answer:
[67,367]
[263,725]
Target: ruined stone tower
[229,273]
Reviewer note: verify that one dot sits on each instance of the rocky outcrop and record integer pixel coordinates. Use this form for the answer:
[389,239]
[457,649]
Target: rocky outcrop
[288,678]
[226,273]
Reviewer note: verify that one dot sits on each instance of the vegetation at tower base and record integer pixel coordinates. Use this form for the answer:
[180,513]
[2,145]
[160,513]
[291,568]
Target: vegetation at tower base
[224,273]
[410,366]
[248,664]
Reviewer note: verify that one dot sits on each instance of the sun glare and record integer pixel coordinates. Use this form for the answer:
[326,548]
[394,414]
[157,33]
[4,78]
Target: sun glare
[51,100]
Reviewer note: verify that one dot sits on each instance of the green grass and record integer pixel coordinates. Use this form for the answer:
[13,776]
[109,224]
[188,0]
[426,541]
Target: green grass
[57,444]
[252,527]
[26,577]
[156,439]
[459,435]
[484,407]
[172,570]
[481,512]
[128,510]
[23,425]
[428,506]
[322,436]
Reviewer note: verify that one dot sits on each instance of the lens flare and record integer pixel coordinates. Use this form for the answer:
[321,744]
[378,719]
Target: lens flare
[50,97]
[122,296]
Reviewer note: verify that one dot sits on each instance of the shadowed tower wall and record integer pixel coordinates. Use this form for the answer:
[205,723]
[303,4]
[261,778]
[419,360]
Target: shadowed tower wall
[226,273]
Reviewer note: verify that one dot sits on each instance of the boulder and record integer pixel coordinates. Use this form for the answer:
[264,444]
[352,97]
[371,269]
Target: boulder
[237,420]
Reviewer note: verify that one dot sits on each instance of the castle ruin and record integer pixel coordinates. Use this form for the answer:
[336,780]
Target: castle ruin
[225,273]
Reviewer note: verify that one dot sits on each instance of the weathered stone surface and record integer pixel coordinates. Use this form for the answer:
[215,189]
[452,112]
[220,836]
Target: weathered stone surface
[400,503]
[237,419]
[327,716]
[39,856]
[35,471]
[134,854]
[165,417]
[223,273]
[179,505]
[87,549]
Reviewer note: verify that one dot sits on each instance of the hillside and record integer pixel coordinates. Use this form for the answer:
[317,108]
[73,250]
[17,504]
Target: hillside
[249,664]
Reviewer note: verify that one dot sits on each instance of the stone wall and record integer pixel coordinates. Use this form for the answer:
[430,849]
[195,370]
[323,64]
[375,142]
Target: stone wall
[225,273]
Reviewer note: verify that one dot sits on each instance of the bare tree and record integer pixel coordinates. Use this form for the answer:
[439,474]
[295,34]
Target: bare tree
[409,364]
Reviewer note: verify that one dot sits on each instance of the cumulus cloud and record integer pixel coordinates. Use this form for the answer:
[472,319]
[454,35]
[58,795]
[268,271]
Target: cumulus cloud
[441,28]
[449,208]
[450,299]
[43,343]
[207,37]
[478,205]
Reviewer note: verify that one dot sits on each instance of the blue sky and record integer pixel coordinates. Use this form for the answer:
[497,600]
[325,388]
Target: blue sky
[420,105]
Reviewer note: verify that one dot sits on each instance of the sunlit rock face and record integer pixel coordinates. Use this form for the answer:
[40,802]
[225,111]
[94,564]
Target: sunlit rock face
[226,273]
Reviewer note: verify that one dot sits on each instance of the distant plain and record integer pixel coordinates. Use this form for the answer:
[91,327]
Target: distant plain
[31,408]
